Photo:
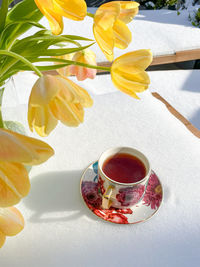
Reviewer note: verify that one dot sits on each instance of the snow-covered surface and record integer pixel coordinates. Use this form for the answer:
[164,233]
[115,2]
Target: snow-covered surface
[162,31]
[181,88]
[61,231]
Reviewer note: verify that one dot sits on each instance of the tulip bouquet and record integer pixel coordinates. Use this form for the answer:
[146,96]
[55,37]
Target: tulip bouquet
[55,97]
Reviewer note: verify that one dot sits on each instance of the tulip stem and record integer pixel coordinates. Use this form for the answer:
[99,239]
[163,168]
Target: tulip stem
[23,59]
[1,119]
[71,62]
[90,15]
[1,97]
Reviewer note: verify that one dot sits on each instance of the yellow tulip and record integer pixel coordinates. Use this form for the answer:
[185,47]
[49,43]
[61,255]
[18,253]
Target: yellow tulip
[11,223]
[86,56]
[56,98]
[16,150]
[128,72]
[23,149]
[110,29]
[54,10]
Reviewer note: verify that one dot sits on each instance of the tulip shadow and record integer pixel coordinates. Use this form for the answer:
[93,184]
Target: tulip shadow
[55,196]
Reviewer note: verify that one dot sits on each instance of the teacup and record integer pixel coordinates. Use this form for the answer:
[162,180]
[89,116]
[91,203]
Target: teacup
[123,174]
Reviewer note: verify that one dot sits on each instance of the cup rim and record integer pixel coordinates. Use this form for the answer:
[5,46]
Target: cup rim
[126,184]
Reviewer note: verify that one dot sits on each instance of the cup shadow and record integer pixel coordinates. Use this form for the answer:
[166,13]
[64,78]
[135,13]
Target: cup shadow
[56,192]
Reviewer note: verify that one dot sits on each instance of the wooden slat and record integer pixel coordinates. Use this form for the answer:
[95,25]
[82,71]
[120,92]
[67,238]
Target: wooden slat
[180,117]
[179,56]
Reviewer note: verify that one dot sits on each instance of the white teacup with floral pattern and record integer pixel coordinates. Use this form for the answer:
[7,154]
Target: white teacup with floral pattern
[117,194]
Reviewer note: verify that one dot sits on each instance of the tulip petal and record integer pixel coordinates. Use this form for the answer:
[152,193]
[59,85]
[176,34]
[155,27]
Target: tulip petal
[85,99]
[2,239]
[128,10]
[72,9]
[128,62]
[14,183]
[86,56]
[70,114]
[122,34]
[135,82]
[11,221]
[106,15]
[83,73]
[44,90]
[104,19]
[66,91]
[55,20]
[42,120]
[105,40]
[119,85]
[20,148]
[66,70]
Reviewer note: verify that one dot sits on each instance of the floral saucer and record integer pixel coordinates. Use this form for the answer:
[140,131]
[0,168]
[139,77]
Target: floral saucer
[144,210]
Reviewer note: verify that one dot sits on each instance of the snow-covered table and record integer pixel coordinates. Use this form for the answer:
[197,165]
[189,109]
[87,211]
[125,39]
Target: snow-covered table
[181,89]
[61,231]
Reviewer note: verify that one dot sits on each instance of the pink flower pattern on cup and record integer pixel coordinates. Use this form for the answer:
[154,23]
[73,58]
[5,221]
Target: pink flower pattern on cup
[153,194]
[129,196]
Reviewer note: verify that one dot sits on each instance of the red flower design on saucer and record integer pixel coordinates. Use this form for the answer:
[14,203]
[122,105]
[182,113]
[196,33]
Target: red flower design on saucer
[93,200]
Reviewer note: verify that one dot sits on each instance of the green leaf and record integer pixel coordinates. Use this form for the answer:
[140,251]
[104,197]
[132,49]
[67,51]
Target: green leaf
[60,52]
[25,10]
[15,126]
[46,68]
[33,45]
[8,74]
[6,37]
[75,37]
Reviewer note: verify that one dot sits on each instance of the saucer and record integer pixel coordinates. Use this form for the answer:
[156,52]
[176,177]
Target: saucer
[140,212]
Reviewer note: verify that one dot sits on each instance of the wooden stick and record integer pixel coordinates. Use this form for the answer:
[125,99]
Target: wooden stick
[180,117]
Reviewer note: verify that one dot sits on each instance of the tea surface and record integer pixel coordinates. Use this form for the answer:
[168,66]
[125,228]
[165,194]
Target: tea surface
[124,168]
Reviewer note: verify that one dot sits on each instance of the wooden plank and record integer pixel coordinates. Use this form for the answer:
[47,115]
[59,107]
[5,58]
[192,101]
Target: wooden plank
[180,117]
[179,56]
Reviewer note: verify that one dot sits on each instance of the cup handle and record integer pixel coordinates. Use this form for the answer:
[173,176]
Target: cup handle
[106,201]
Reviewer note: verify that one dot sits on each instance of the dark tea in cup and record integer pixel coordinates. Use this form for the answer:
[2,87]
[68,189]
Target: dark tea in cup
[123,174]
[124,168]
